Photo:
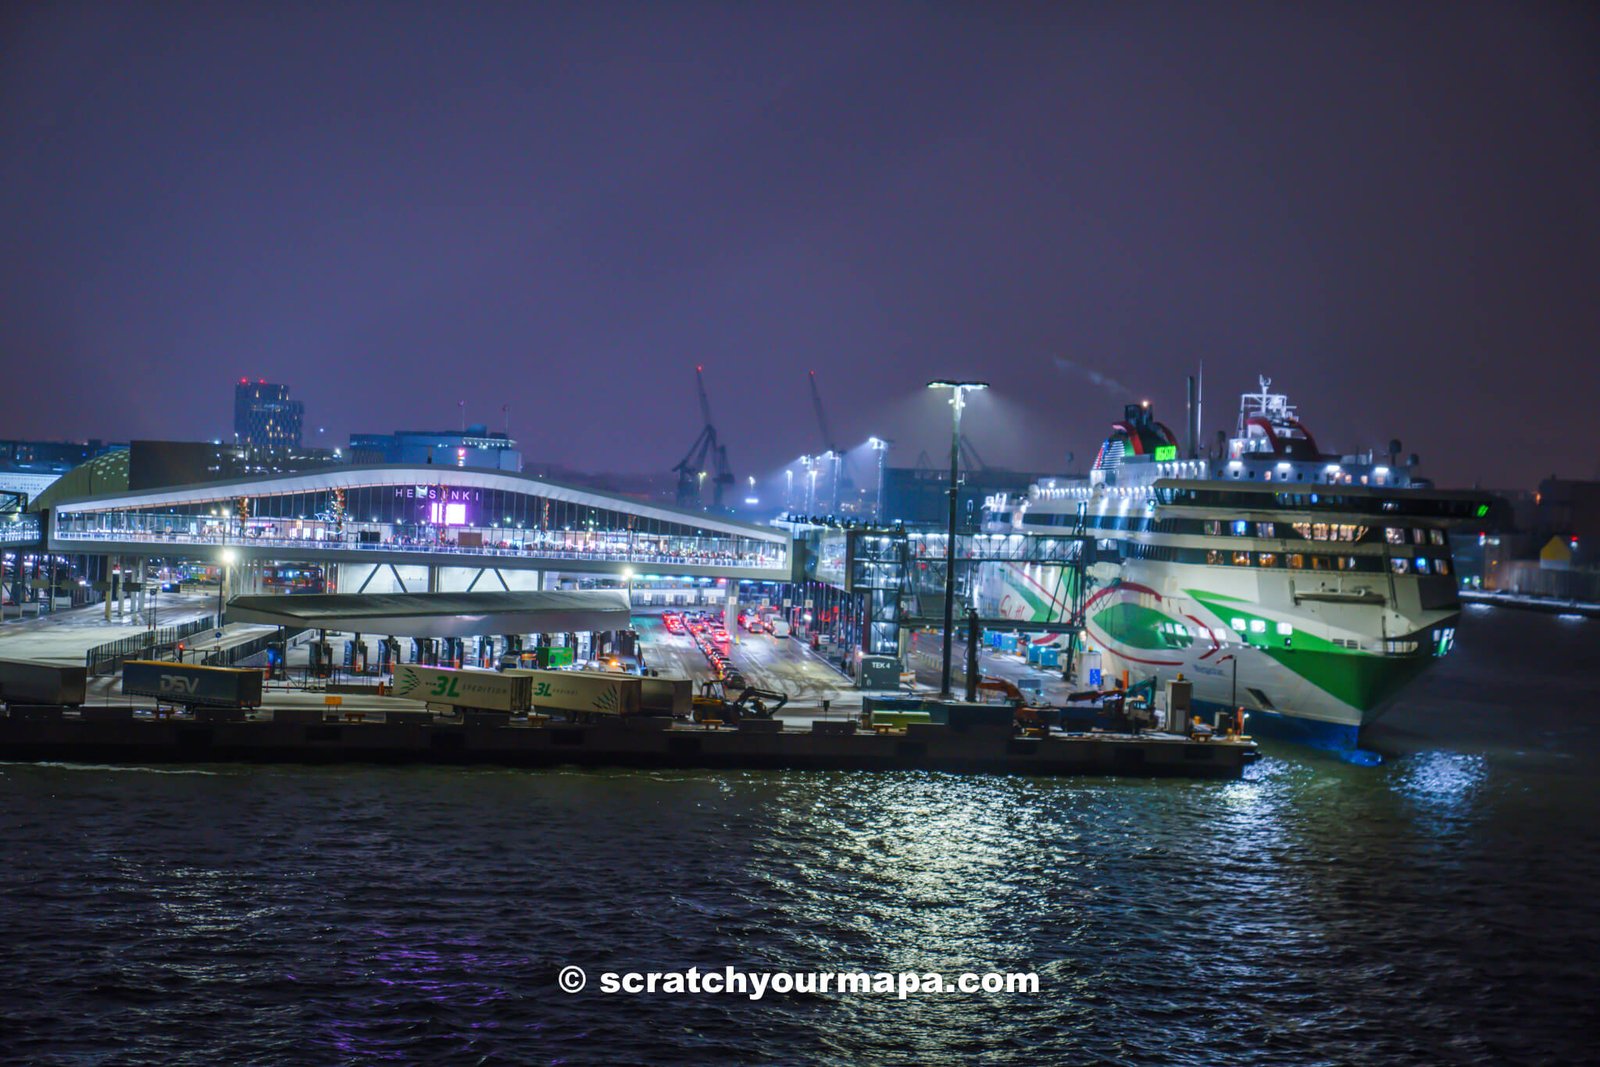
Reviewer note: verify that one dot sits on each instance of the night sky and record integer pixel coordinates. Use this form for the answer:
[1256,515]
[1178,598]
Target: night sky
[1392,209]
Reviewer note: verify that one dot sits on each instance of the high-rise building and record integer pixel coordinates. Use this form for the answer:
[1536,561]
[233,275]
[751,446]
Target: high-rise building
[264,418]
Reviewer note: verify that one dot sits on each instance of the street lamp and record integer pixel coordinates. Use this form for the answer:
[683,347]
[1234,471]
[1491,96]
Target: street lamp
[958,400]
[881,447]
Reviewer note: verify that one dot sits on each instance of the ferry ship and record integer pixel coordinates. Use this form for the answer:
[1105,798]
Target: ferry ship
[1304,588]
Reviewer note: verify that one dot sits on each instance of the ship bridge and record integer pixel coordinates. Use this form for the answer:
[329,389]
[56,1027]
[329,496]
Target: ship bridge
[369,521]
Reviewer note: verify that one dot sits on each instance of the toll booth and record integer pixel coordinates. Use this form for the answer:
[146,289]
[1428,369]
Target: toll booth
[321,659]
[356,656]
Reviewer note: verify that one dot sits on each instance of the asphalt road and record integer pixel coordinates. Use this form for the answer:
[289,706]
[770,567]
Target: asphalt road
[783,664]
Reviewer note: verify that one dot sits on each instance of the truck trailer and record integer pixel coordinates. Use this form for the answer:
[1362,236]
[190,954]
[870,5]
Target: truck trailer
[42,683]
[192,685]
[514,690]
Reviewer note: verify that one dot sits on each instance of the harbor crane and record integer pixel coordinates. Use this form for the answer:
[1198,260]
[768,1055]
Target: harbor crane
[841,474]
[707,457]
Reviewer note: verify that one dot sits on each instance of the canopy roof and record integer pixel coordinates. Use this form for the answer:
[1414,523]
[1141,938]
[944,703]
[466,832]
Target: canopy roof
[440,614]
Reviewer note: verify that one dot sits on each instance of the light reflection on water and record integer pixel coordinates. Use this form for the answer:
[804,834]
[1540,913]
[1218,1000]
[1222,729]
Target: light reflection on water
[1435,909]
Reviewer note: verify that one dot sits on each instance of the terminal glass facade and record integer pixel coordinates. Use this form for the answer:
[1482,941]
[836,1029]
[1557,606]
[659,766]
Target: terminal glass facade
[444,517]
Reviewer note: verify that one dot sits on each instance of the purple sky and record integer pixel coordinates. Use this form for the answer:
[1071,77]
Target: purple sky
[1393,209]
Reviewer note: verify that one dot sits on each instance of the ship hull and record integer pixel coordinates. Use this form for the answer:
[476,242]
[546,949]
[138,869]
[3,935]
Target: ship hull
[1304,670]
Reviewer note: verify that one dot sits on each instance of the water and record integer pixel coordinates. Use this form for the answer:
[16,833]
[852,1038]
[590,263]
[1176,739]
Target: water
[1437,909]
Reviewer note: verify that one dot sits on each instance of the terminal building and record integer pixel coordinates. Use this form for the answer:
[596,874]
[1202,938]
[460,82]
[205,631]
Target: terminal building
[380,529]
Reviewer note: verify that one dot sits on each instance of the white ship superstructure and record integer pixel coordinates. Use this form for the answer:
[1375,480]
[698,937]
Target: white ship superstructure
[1304,587]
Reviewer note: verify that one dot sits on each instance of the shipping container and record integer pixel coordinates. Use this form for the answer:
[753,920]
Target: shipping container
[41,683]
[463,688]
[192,685]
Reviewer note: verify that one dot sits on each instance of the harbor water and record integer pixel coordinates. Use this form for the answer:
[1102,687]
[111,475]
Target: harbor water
[1436,909]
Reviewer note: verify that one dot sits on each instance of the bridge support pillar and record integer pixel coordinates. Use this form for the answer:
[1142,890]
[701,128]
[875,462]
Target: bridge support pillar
[433,578]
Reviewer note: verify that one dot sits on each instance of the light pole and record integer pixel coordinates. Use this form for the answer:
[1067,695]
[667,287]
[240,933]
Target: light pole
[958,400]
[881,447]
[837,464]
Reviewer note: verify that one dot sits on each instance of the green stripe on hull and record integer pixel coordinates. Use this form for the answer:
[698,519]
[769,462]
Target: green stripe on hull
[1141,627]
[1360,679]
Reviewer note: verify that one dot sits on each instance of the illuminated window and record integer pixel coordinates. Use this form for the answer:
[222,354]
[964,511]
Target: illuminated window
[1395,535]
[1297,562]
[1285,629]
[1419,536]
[1441,566]
[1241,559]
[1237,624]
[1422,565]
[1258,626]
[1214,527]
[1240,528]
[1266,529]
[1268,559]
[1400,566]
[1437,536]
[1221,635]
[1216,557]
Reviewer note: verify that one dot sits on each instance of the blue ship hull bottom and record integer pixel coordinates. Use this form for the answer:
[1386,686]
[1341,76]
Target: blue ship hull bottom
[1341,739]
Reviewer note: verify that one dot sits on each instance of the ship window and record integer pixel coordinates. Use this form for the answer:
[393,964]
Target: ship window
[1221,635]
[1237,624]
[1395,535]
[1285,629]
[1216,557]
[1241,559]
[1268,559]
[1266,529]
[1297,562]
[1419,535]
[1441,566]
[1241,528]
[1347,563]
[1437,536]
[1258,626]
[1422,565]
[1214,527]
[1399,566]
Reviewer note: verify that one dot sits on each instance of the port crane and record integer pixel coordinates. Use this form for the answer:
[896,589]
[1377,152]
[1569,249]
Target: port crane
[706,457]
[841,474]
